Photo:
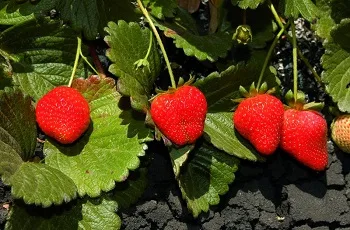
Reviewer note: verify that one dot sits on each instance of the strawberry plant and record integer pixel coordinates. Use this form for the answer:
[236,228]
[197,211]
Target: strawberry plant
[103,80]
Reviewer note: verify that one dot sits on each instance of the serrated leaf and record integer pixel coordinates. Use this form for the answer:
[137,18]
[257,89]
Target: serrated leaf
[106,152]
[179,157]
[226,85]
[42,53]
[293,8]
[10,159]
[129,43]
[92,16]
[341,34]
[245,4]
[161,8]
[17,122]
[128,192]
[9,16]
[336,64]
[84,214]
[204,47]
[206,177]
[40,184]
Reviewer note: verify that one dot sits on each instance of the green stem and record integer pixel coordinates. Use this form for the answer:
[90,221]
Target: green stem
[160,43]
[87,62]
[280,23]
[75,62]
[275,14]
[268,56]
[295,63]
[149,46]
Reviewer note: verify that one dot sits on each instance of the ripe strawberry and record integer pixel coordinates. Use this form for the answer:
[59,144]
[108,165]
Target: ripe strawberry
[180,113]
[259,119]
[63,114]
[304,136]
[341,132]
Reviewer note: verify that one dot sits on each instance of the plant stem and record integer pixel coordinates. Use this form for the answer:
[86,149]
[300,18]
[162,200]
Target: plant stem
[160,43]
[280,23]
[96,61]
[87,62]
[77,55]
[149,46]
[275,14]
[295,62]
[268,56]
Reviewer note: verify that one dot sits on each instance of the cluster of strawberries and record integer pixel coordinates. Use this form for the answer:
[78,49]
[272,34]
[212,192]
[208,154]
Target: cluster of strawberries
[179,114]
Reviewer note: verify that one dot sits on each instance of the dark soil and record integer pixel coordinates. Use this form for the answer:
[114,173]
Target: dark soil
[277,194]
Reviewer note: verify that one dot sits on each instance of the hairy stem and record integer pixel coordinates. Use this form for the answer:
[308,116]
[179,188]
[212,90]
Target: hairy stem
[295,62]
[149,46]
[160,43]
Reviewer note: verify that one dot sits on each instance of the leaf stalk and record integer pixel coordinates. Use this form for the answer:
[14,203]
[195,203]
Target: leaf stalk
[160,43]
[295,62]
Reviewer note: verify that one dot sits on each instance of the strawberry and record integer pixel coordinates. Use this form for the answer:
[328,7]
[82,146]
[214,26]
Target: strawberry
[259,119]
[179,114]
[304,136]
[341,132]
[63,114]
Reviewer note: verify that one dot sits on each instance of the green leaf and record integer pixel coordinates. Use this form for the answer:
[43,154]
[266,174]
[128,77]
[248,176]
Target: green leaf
[17,122]
[336,64]
[204,47]
[40,184]
[161,8]
[92,16]
[128,192]
[179,157]
[129,43]
[42,54]
[10,159]
[293,8]
[218,125]
[110,147]
[12,17]
[205,177]
[84,214]
[219,130]
[244,4]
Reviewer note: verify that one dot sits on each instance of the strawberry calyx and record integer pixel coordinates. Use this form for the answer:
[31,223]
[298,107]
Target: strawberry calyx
[253,91]
[300,102]
[171,89]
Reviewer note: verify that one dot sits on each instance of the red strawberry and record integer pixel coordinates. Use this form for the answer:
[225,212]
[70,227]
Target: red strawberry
[63,114]
[304,136]
[180,113]
[259,119]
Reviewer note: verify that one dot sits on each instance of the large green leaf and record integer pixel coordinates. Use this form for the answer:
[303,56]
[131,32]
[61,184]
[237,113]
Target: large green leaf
[244,4]
[336,64]
[293,8]
[128,192]
[161,8]
[206,176]
[129,43]
[218,125]
[17,122]
[41,184]
[110,147]
[42,54]
[84,214]
[10,16]
[204,47]
[36,183]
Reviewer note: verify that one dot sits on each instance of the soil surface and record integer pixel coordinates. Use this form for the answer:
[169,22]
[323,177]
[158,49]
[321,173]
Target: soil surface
[277,194]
